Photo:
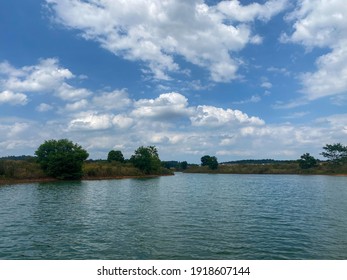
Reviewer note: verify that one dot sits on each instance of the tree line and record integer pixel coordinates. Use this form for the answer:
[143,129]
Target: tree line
[336,154]
[63,159]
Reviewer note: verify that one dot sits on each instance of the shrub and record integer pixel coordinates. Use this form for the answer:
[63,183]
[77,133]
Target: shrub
[61,159]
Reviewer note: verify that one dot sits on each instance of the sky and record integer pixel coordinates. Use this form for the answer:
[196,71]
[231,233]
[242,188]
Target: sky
[232,79]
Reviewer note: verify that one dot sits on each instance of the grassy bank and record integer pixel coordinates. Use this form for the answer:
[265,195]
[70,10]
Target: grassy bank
[275,168]
[104,169]
[22,171]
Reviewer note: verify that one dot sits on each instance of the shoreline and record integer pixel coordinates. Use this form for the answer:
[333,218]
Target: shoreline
[8,181]
[275,173]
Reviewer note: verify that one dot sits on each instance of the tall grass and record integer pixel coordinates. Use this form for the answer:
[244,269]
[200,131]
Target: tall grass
[109,169]
[275,168]
[11,170]
[104,169]
[20,169]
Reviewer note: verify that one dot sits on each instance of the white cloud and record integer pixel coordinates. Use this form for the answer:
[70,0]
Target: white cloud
[257,40]
[77,106]
[166,106]
[180,130]
[253,99]
[91,121]
[122,121]
[209,116]
[70,93]
[237,12]
[46,76]
[114,100]
[290,104]
[322,24]
[330,78]
[224,71]
[156,31]
[296,115]
[318,23]
[7,69]
[44,107]
[277,70]
[13,98]
[266,85]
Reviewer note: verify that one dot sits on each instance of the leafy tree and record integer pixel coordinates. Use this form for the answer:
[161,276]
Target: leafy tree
[307,161]
[209,161]
[213,163]
[115,156]
[146,159]
[183,165]
[205,160]
[61,159]
[170,164]
[335,153]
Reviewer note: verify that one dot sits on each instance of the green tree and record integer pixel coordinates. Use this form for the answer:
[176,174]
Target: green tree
[61,159]
[307,161]
[115,156]
[209,161]
[335,153]
[213,163]
[146,159]
[205,160]
[183,165]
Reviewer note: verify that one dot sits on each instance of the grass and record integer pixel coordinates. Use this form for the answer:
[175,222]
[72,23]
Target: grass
[20,169]
[12,171]
[275,168]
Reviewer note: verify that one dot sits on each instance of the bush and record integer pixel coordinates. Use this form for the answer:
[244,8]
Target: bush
[61,159]
[146,159]
[115,156]
[209,161]
[307,161]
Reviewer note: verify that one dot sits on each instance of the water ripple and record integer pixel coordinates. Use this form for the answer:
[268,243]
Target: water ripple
[187,216]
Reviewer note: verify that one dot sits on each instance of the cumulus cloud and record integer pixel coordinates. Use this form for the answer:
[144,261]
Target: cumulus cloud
[44,107]
[253,99]
[331,77]
[322,24]
[70,93]
[77,106]
[166,106]
[209,116]
[266,85]
[91,121]
[122,121]
[13,98]
[166,121]
[45,76]
[237,12]
[114,100]
[101,120]
[156,31]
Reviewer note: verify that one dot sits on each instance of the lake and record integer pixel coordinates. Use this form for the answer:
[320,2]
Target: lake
[186,216]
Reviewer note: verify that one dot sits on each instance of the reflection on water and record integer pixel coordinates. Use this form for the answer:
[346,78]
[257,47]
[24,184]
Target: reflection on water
[187,216]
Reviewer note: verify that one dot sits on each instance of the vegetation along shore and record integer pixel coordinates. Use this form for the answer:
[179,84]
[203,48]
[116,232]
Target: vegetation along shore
[64,160]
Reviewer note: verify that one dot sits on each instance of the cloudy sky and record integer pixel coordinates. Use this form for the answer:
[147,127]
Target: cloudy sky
[236,79]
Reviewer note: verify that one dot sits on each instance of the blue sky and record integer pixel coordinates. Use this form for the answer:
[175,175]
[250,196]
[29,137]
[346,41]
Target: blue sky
[233,79]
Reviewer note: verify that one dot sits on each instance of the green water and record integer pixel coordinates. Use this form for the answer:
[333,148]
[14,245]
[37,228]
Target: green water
[186,216]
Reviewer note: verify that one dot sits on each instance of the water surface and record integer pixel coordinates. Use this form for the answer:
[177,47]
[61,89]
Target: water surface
[186,216]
